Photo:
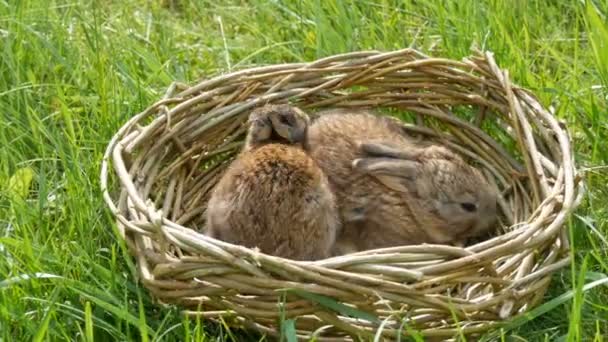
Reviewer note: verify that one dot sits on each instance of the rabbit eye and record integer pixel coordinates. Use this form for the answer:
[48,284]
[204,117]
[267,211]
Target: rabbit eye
[470,207]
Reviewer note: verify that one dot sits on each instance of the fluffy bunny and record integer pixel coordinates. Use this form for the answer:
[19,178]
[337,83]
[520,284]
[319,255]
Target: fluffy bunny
[274,196]
[392,190]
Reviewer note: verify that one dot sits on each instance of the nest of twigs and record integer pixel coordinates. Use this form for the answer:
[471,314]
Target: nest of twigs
[168,158]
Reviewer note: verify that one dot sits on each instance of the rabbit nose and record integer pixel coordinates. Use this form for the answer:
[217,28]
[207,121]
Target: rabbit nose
[485,224]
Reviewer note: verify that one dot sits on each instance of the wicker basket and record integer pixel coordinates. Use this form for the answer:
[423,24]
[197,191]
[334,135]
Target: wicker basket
[167,159]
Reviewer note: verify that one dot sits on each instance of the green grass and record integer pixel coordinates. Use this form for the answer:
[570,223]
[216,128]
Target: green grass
[71,73]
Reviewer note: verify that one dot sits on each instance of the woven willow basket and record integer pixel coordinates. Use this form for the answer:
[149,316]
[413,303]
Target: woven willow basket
[168,158]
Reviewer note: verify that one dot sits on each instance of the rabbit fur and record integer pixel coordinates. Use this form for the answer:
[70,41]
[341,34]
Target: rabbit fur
[392,190]
[274,196]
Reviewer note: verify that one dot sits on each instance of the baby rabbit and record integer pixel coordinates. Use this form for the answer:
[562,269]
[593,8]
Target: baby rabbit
[394,191]
[274,196]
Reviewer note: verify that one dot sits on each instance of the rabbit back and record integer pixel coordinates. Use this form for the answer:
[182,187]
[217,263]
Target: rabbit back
[277,199]
[334,135]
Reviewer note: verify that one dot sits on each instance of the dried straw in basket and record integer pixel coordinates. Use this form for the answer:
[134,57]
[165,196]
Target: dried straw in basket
[167,159]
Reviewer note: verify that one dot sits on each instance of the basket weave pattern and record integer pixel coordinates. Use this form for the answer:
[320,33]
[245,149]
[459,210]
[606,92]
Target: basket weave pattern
[167,159]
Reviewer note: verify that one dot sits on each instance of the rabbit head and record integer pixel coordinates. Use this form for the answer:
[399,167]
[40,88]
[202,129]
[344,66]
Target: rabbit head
[453,199]
[277,123]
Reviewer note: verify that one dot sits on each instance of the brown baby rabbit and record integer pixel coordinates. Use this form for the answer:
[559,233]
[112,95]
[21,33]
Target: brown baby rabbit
[274,196]
[392,190]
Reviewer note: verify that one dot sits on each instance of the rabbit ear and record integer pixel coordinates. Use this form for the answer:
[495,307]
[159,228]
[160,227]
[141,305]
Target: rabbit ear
[381,149]
[396,174]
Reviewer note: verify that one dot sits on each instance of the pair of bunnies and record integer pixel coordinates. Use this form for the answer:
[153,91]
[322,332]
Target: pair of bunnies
[348,181]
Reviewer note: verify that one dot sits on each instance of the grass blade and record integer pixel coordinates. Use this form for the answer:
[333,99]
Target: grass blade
[44,326]
[340,308]
[548,306]
[88,322]
[289,330]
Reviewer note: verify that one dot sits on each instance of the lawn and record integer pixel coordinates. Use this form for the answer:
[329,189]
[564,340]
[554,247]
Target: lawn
[71,73]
